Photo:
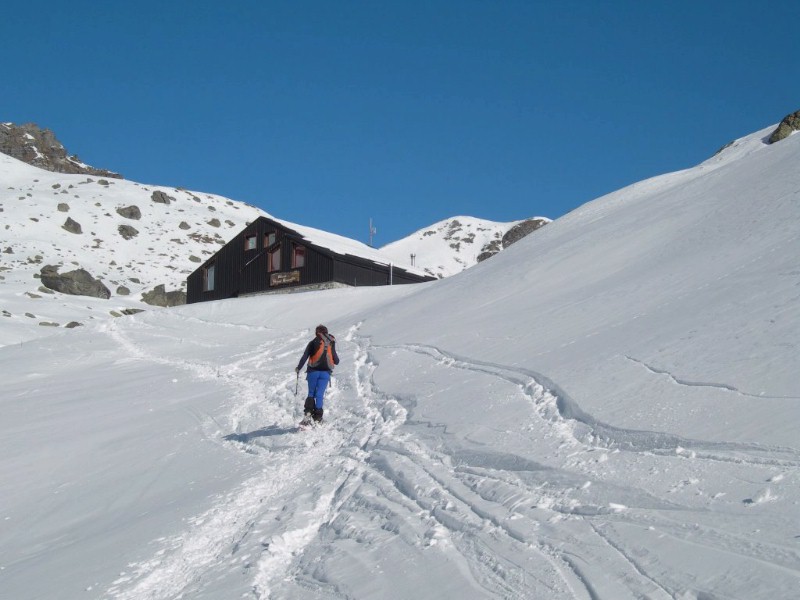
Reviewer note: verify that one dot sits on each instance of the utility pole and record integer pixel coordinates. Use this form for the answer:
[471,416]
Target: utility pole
[372,232]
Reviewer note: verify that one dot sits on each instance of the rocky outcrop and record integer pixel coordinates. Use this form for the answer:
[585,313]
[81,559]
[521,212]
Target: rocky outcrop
[40,148]
[521,230]
[159,296]
[789,125]
[513,235]
[75,283]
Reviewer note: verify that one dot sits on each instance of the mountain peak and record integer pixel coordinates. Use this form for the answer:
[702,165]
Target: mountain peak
[40,148]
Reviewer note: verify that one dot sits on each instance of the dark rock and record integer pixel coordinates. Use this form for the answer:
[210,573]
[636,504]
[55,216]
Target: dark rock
[123,291]
[516,233]
[128,232]
[184,225]
[75,283]
[130,212]
[490,250]
[161,197]
[789,125]
[73,325]
[40,148]
[72,226]
[521,230]
[63,207]
[214,223]
[158,296]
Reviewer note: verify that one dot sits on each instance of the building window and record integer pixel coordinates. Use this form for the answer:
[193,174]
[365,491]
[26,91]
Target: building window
[274,262]
[250,242]
[270,239]
[298,256]
[208,278]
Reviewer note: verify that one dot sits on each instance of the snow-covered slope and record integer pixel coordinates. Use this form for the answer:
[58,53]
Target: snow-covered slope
[131,236]
[606,409]
[452,245]
[168,243]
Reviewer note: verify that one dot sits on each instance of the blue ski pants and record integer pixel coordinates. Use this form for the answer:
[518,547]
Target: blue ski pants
[317,383]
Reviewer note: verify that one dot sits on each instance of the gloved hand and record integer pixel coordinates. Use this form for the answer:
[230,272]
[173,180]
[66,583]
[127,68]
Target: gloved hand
[297,370]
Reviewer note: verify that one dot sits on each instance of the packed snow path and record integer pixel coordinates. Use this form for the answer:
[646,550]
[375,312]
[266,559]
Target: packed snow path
[522,495]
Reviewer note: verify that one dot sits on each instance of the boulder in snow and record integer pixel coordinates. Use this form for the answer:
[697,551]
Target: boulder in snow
[75,283]
[72,226]
[159,296]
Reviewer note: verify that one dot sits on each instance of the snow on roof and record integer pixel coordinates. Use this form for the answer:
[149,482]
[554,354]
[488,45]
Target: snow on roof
[345,246]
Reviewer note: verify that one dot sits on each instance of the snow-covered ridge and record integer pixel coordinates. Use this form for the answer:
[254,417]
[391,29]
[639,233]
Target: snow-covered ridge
[452,245]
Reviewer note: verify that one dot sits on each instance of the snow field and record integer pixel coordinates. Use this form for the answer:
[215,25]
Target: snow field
[607,409]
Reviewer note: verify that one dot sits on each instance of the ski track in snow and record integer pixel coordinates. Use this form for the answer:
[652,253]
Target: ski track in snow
[556,406]
[498,520]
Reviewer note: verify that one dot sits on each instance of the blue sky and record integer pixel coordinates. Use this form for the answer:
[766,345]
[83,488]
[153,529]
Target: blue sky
[329,113]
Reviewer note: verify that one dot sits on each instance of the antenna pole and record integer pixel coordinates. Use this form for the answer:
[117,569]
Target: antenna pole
[372,231]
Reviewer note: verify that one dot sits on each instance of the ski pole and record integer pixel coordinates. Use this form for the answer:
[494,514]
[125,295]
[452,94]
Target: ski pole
[296,384]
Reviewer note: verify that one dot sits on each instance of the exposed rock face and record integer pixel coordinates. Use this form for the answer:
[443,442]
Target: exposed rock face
[511,236]
[159,296]
[521,230]
[790,124]
[40,148]
[76,283]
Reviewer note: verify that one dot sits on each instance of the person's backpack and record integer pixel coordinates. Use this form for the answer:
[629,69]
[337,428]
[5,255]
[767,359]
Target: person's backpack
[322,358]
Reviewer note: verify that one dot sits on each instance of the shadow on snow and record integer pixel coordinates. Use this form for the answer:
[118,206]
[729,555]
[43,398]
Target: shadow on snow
[270,431]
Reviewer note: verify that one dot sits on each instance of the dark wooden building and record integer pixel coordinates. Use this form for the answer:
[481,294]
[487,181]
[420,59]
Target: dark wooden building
[270,256]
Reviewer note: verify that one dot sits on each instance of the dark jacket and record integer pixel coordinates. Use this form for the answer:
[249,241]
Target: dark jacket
[312,348]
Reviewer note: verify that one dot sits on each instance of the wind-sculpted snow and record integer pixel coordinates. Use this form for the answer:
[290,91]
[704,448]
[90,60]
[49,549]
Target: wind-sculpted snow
[615,419]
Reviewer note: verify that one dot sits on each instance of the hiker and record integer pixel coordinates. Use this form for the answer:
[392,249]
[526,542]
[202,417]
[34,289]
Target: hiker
[321,356]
